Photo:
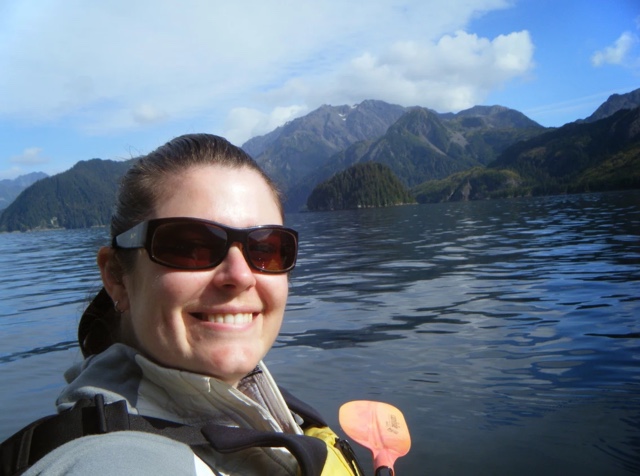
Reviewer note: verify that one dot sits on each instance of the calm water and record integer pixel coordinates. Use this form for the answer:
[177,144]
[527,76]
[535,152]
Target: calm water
[507,332]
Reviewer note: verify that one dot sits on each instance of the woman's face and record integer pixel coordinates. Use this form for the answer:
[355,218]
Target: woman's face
[172,311]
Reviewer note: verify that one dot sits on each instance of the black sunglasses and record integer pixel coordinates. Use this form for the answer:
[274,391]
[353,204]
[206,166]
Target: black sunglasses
[192,243]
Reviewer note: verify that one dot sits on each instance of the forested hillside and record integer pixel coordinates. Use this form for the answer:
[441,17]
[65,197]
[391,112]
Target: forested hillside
[478,183]
[578,157]
[601,155]
[363,185]
[81,197]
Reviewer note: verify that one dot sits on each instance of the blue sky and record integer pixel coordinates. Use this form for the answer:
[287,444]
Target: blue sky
[116,79]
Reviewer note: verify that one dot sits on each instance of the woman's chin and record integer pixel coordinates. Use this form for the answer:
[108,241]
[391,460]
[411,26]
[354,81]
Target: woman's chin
[231,367]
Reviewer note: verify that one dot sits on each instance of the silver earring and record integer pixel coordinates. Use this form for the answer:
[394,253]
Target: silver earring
[115,306]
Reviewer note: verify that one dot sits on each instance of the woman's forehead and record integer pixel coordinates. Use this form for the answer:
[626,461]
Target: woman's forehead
[235,196]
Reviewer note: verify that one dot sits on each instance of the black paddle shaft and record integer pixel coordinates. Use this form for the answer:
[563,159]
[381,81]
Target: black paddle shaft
[384,471]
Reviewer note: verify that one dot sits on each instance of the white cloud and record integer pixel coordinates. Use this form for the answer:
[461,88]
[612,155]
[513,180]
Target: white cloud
[617,53]
[453,73]
[148,114]
[118,65]
[30,156]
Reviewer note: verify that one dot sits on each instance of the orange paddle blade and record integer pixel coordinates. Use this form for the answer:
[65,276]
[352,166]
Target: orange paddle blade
[378,426]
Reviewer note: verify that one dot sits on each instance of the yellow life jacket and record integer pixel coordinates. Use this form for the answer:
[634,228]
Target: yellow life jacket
[340,457]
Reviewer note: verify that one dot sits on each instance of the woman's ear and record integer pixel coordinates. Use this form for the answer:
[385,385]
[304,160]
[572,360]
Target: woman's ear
[111,273]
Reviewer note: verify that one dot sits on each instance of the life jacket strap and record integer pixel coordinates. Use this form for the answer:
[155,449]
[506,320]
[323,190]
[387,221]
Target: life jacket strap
[311,453]
[94,417]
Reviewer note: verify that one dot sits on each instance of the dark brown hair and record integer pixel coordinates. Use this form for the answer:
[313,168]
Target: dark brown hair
[141,188]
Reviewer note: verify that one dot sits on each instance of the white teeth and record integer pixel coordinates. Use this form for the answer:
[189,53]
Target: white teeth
[235,319]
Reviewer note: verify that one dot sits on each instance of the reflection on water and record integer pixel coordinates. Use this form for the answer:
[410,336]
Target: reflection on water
[506,331]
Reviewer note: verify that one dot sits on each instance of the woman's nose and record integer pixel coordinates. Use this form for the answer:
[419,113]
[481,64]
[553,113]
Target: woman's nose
[234,271]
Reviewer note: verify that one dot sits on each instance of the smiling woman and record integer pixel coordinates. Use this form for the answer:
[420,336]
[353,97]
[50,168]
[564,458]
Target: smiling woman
[162,308]
[195,287]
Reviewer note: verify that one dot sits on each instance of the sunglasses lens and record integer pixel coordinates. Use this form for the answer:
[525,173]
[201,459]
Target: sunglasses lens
[194,245]
[189,245]
[272,250]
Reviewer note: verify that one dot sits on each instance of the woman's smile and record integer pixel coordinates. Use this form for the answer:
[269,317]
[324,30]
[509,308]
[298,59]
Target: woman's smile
[228,319]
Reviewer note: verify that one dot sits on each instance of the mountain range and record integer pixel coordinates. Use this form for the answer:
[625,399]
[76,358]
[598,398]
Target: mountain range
[417,143]
[485,152]
[577,157]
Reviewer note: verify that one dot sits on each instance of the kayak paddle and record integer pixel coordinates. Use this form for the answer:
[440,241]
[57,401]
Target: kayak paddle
[381,428]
